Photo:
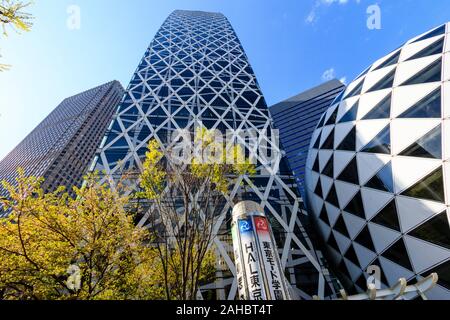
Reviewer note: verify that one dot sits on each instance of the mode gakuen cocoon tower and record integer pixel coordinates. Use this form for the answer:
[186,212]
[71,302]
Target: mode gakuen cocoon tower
[195,70]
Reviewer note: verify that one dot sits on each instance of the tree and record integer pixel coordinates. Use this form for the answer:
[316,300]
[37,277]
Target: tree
[183,201]
[13,16]
[45,236]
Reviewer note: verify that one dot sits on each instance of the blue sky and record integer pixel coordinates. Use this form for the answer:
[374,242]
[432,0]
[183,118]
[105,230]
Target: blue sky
[292,46]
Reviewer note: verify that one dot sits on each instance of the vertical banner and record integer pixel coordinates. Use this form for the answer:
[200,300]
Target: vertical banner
[258,269]
[240,273]
[250,259]
[270,259]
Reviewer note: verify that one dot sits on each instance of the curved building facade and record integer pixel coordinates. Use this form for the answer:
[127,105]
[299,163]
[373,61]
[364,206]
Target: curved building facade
[378,170]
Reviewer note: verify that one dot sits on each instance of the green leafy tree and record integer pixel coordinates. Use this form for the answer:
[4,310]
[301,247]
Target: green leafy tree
[183,202]
[56,247]
[13,16]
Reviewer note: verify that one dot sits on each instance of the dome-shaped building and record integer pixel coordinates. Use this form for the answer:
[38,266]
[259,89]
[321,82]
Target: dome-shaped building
[378,169]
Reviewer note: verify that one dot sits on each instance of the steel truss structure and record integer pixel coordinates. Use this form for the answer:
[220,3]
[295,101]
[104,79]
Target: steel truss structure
[195,70]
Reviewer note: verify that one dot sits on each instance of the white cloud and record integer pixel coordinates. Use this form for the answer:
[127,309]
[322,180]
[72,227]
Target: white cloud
[313,15]
[329,74]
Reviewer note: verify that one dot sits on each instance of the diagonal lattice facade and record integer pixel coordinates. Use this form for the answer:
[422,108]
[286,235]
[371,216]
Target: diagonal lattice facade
[195,70]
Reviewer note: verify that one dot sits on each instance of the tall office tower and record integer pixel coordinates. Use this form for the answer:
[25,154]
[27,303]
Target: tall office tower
[297,117]
[60,149]
[196,70]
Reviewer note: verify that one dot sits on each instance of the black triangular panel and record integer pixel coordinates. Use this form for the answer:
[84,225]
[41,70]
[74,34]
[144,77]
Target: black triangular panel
[341,227]
[429,146]
[381,110]
[318,190]
[324,215]
[433,33]
[431,187]
[329,142]
[397,253]
[350,173]
[332,242]
[432,73]
[356,91]
[365,239]
[381,143]
[443,272]
[351,114]
[349,142]
[332,119]
[317,143]
[386,82]
[315,167]
[428,107]
[321,122]
[391,61]
[329,168]
[356,207]
[435,230]
[383,180]
[332,197]
[434,48]
[388,217]
[351,255]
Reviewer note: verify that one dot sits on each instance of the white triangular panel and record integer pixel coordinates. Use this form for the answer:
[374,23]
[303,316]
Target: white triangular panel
[405,132]
[446,169]
[326,184]
[333,213]
[382,237]
[407,69]
[412,49]
[342,241]
[367,130]
[330,112]
[365,256]
[394,272]
[412,212]
[405,97]
[324,157]
[345,106]
[315,136]
[374,201]
[341,131]
[409,170]
[312,154]
[354,224]
[369,164]
[446,67]
[355,271]
[424,255]
[336,256]
[437,292]
[375,76]
[369,100]
[345,192]
[353,85]
[446,99]
[324,229]
[326,131]
[379,62]
[313,180]
[341,160]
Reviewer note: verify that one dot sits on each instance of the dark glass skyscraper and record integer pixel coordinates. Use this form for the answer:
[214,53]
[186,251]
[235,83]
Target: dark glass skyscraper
[195,70]
[62,146]
[296,119]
